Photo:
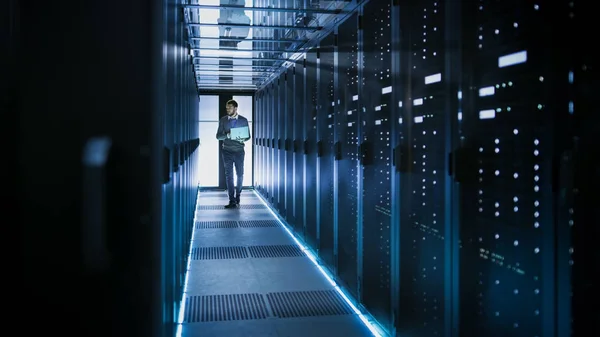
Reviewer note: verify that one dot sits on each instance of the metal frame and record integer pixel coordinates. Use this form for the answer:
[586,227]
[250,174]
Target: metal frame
[253,50]
[229,58]
[232,66]
[294,49]
[224,38]
[268,9]
[251,26]
[233,71]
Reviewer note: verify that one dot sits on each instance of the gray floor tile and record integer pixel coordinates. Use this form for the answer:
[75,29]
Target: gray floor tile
[289,274]
[240,237]
[216,277]
[255,328]
[324,326]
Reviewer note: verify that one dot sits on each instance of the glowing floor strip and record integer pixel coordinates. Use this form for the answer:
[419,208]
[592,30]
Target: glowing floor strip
[187,273]
[365,318]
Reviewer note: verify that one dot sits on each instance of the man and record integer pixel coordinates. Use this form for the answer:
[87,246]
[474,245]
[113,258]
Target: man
[233,151]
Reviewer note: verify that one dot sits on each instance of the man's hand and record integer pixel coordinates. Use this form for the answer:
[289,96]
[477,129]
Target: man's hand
[228,135]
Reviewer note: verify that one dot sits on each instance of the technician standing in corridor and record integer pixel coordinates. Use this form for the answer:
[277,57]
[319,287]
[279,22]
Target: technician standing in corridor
[233,151]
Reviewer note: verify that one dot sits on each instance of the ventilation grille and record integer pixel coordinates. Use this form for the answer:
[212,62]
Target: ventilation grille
[216,224]
[211,207]
[259,223]
[256,206]
[275,251]
[222,207]
[225,308]
[307,304]
[219,253]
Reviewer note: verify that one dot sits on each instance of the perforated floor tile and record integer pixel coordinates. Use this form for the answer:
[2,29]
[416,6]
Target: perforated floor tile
[263,251]
[259,223]
[227,307]
[216,224]
[308,304]
[219,253]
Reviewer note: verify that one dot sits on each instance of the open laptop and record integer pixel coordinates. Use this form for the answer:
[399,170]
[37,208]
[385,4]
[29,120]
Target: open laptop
[242,132]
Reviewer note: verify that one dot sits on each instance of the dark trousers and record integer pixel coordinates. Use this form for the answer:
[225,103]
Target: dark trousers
[229,160]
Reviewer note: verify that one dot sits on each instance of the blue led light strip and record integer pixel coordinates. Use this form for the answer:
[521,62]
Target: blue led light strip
[187,273]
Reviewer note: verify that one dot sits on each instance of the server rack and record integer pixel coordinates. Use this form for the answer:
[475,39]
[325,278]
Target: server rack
[325,142]
[288,147]
[427,160]
[107,165]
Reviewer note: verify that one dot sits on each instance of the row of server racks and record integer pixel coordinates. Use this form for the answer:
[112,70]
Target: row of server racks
[106,113]
[435,155]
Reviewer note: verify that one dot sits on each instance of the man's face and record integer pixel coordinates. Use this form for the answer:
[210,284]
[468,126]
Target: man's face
[231,110]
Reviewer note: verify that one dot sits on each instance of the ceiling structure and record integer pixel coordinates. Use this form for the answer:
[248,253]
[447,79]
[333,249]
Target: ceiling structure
[244,44]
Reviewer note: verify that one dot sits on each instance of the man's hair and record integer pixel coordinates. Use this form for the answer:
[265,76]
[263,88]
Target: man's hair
[232,102]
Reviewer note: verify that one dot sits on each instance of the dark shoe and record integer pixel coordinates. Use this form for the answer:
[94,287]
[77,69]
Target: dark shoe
[231,205]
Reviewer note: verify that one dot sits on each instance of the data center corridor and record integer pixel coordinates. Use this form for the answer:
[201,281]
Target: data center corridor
[416,168]
[248,276]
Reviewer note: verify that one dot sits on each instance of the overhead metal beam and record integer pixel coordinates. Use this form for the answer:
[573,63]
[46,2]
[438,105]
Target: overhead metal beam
[236,79]
[217,79]
[253,50]
[225,71]
[245,84]
[241,73]
[228,77]
[241,25]
[224,82]
[234,67]
[230,74]
[268,9]
[230,68]
[277,65]
[251,40]
[227,86]
[246,81]
[244,76]
[229,58]
[230,83]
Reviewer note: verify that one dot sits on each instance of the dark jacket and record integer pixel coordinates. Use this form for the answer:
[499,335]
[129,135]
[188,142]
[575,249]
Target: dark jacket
[231,145]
